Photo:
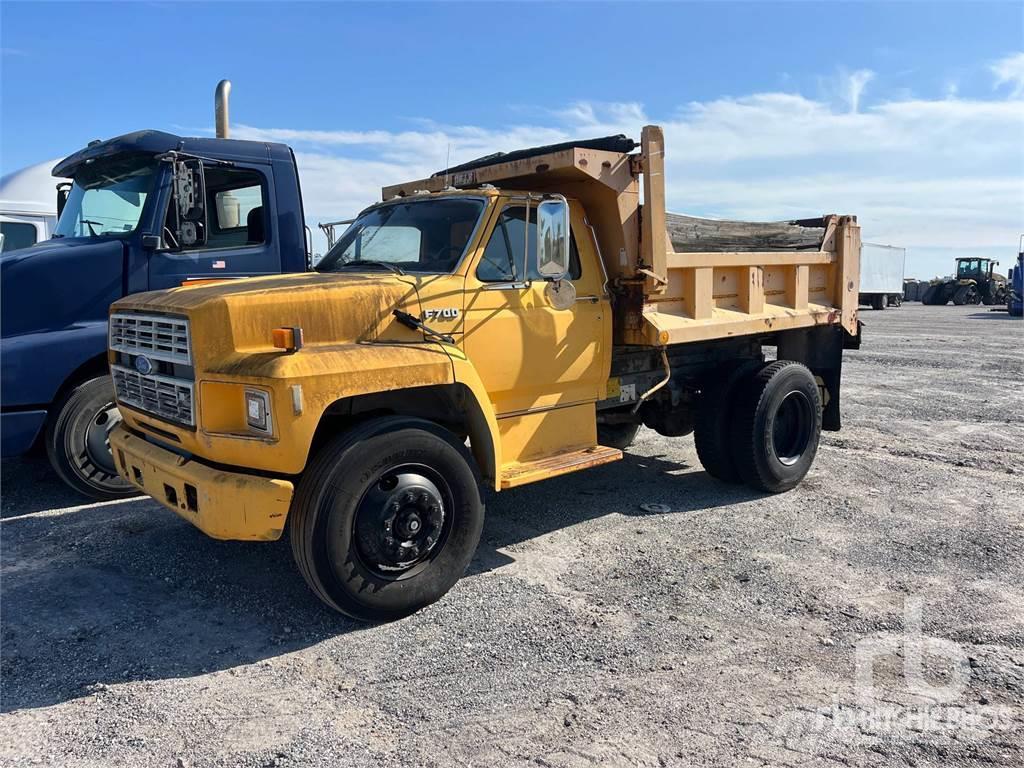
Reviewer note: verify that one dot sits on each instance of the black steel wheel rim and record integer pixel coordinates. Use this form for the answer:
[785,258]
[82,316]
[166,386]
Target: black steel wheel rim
[402,521]
[792,427]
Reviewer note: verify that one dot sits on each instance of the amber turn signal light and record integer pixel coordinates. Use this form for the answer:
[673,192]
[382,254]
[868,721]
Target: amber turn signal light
[288,339]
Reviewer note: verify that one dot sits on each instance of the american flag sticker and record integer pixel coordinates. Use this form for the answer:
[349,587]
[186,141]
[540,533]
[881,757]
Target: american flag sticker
[219,264]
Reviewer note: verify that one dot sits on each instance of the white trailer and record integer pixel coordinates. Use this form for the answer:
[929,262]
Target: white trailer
[881,275]
[28,206]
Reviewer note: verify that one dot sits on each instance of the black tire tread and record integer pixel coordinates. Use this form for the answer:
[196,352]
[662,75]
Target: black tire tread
[303,510]
[743,437]
[712,430]
[54,442]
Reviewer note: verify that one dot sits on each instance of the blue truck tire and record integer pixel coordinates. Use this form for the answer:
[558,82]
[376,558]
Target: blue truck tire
[77,441]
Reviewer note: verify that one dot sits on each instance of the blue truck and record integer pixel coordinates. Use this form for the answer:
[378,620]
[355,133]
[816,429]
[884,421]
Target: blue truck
[145,211]
[1015,297]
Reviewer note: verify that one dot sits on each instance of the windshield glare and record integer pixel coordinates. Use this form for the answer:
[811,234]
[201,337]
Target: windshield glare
[416,236]
[107,200]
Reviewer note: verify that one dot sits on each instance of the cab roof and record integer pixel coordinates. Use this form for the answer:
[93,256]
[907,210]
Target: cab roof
[157,142]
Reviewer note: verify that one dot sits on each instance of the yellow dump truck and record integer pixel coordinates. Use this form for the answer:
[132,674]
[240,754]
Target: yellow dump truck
[499,323]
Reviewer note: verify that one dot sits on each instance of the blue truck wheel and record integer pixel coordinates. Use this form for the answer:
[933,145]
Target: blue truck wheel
[77,442]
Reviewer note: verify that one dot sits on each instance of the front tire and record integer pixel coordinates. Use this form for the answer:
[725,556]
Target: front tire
[386,518]
[78,444]
[777,426]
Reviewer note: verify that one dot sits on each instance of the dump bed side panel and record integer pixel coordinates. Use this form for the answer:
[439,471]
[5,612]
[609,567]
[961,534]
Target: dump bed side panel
[705,280]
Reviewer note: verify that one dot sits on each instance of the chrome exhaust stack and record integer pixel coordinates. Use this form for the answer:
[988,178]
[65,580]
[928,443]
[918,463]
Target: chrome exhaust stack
[220,108]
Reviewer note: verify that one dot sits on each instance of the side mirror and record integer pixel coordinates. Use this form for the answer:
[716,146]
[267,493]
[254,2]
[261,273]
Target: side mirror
[553,238]
[2,236]
[63,191]
[189,189]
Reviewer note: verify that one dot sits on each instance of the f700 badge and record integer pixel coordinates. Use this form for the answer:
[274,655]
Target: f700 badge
[448,313]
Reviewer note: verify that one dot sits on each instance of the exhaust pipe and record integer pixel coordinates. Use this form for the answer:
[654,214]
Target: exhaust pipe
[220,108]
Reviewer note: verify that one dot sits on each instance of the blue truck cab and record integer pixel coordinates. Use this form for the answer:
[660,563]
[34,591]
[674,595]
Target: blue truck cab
[147,210]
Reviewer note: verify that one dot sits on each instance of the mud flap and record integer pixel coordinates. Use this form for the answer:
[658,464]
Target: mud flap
[821,350]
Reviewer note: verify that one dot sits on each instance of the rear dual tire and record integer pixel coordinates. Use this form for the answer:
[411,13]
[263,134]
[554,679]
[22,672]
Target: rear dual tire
[386,518]
[760,425]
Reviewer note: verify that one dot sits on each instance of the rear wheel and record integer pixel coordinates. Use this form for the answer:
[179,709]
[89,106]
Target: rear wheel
[965,294]
[386,518]
[776,426]
[878,301]
[78,442]
[712,428]
[991,294]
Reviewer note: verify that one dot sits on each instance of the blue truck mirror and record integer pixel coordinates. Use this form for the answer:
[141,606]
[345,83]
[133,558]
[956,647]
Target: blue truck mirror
[189,185]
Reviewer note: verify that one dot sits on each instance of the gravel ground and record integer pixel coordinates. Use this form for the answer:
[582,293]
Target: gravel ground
[873,616]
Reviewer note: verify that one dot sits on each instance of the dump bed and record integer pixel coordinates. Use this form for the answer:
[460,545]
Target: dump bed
[677,278]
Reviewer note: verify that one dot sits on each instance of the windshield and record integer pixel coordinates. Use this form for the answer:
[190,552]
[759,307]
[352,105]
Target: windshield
[968,267]
[107,199]
[416,236]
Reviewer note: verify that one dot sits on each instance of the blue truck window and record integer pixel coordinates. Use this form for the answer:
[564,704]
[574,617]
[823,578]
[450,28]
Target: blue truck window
[237,208]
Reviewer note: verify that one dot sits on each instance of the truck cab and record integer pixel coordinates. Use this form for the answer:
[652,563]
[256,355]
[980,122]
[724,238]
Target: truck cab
[145,211]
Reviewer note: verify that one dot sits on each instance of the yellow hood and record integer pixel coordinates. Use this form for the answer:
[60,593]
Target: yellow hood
[238,316]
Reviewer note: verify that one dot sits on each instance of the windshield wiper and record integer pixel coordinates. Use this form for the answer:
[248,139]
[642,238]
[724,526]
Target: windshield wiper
[373,263]
[90,223]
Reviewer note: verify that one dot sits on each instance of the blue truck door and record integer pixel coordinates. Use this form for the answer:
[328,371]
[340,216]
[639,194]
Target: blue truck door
[242,239]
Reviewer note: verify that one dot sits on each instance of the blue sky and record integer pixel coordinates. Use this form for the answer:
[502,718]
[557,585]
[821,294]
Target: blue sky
[902,113]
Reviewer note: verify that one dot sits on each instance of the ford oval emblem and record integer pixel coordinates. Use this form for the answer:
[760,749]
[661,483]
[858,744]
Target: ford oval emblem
[143,365]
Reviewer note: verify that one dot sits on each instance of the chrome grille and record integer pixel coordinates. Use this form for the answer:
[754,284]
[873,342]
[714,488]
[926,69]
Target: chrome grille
[156,336]
[162,396]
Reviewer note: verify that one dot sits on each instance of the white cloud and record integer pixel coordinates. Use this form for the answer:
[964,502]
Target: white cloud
[942,177]
[1010,71]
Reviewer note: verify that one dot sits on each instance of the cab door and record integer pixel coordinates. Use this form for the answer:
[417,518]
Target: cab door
[530,355]
[241,240]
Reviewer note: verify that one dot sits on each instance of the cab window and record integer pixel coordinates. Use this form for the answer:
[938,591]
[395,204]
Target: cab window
[505,256]
[236,209]
[968,267]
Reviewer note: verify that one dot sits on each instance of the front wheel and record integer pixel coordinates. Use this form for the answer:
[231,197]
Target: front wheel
[776,426]
[386,518]
[78,443]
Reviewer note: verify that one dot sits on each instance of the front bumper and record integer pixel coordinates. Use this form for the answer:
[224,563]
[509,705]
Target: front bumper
[223,505]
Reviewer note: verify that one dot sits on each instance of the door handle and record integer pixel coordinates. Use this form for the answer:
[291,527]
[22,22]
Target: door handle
[591,299]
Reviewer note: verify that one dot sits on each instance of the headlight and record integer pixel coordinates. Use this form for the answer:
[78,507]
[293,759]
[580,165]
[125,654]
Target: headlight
[257,410]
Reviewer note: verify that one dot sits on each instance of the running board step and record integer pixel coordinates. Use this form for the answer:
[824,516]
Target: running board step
[559,464]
